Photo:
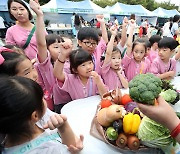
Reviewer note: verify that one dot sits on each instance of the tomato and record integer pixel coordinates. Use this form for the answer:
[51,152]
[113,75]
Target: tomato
[105,103]
[126,99]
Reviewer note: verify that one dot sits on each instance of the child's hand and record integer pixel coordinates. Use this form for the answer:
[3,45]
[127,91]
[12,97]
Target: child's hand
[95,76]
[113,30]
[65,49]
[172,73]
[78,147]
[100,18]
[125,21]
[119,71]
[55,121]
[34,5]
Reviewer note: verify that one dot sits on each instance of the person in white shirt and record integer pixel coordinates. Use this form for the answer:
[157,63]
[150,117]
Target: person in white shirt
[2,28]
[166,28]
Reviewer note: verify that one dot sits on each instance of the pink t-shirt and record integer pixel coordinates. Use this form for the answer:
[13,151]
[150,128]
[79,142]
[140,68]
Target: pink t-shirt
[159,67]
[17,35]
[48,82]
[110,77]
[152,55]
[101,47]
[76,89]
[132,68]
[66,68]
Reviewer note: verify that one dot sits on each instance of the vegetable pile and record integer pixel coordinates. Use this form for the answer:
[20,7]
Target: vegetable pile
[144,88]
[126,127]
[120,119]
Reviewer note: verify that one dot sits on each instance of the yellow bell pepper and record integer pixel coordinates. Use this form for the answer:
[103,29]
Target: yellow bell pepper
[131,123]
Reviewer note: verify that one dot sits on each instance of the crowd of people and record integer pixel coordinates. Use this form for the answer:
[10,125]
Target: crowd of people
[41,72]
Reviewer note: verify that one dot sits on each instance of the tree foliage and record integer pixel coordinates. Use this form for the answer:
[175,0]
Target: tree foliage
[148,4]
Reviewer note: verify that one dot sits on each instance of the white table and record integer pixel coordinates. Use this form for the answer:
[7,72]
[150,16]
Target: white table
[80,114]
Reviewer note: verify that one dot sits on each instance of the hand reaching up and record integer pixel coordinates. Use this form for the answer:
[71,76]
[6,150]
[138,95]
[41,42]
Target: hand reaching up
[125,21]
[100,18]
[34,5]
[113,30]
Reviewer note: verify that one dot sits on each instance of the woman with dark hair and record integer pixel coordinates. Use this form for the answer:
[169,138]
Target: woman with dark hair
[175,27]
[77,22]
[21,34]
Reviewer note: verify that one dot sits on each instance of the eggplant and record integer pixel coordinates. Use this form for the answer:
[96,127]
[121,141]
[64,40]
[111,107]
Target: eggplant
[118,125]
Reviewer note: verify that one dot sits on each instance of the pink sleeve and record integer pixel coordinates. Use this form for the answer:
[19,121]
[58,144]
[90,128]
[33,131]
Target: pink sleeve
[105,68]
[154,68]
[9,38]
[126,61]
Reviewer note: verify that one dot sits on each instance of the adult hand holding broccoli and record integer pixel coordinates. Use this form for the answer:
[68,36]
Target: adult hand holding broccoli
[144,88]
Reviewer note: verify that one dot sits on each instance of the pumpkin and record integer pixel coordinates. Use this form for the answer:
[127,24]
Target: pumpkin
[101,118]
[115,112]
[107,115]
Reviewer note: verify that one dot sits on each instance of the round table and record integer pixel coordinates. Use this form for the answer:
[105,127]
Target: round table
[80,114]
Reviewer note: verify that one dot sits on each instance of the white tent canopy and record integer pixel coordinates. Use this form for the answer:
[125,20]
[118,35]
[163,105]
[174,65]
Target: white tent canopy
[165,13]
[63,6]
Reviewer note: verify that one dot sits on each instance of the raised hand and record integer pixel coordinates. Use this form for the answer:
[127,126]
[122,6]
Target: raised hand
[35,6]
[113,30]
[100,18]
[125,21]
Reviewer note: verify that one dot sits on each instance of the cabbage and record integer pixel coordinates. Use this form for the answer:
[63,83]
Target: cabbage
[154,135]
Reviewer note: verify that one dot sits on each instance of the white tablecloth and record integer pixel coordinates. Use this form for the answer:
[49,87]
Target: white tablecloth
[80,114]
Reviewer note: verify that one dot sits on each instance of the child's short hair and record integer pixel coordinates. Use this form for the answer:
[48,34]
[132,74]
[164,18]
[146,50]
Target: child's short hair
[138,41]
[116,49]
[77,57]
[147,43]
[168,42]
[87,33]
[154,39]
[20,97]
[52,38]
[11,61]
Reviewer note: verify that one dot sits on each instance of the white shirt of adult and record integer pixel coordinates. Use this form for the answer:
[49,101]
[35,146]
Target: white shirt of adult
[174,28]
[2,23]
[166,30]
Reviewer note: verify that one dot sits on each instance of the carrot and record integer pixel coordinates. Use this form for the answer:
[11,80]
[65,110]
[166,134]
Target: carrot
[121,140]
[156,102]
[133,142]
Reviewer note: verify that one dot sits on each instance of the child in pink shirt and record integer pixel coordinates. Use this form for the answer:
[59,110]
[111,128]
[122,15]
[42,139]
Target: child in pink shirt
[112,72]
[135,62]
[83,82]
[164,66]
[89,41]
[153,53]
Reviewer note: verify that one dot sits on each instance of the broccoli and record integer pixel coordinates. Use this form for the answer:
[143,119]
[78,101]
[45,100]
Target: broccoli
[169,95]
[144,88]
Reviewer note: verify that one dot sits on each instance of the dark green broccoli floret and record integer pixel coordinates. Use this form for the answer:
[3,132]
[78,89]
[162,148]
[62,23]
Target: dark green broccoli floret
[144,88]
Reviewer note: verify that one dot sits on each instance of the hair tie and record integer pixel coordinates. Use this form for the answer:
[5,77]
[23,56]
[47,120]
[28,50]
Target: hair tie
[3,49]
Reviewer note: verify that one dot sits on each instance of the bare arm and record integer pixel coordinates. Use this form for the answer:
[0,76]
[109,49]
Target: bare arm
[40,31]
[58,67]
[100,18]
[167,75]
[123,33]
[130,38]
[109,50]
